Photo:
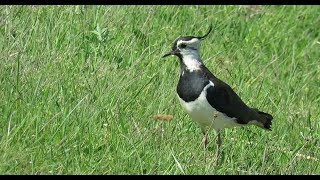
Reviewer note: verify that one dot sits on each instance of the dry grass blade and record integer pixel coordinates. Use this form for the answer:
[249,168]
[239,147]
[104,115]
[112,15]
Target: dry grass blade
[162,117]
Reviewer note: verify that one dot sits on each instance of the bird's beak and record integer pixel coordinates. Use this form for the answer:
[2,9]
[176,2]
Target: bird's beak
[168,54]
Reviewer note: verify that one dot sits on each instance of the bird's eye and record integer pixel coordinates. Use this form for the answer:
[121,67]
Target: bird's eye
[181,46]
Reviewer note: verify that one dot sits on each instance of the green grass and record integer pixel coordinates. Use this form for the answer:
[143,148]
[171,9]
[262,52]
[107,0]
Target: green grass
[79,85]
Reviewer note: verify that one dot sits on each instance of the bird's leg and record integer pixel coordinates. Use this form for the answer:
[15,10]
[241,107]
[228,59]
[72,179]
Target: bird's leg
[218,148]
[205,142]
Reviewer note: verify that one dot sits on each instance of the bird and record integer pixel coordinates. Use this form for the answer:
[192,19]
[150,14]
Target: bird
[209,101]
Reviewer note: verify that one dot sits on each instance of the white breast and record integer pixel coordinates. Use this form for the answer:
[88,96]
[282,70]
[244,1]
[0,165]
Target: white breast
[205,115]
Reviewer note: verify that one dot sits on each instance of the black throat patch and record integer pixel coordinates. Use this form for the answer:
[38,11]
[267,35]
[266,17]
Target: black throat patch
[191,84]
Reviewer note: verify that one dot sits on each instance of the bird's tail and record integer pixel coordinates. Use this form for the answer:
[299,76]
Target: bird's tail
[265,120]
[268,120]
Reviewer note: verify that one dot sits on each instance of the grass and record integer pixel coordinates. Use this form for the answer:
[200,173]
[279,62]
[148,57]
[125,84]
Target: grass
[80,84]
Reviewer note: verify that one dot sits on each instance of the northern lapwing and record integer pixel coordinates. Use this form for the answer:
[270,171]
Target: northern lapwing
[208,100]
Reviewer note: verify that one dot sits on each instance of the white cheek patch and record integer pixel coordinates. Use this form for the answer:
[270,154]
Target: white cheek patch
[190,60]
[190,55]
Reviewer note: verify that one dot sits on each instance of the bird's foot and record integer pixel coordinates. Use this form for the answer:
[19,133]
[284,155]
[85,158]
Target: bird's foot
[216,160]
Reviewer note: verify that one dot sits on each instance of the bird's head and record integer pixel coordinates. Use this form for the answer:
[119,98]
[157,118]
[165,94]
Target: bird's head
[186,45]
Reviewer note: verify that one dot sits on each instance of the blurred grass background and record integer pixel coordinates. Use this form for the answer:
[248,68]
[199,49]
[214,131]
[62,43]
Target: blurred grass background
[79,86]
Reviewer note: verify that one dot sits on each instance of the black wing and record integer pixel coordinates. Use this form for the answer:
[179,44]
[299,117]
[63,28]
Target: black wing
[222,97]
[225,100]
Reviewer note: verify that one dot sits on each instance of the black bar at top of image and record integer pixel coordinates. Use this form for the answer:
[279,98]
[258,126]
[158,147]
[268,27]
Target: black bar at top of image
[159,2]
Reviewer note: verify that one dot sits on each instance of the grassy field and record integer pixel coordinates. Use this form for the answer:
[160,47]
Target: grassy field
[79,86]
